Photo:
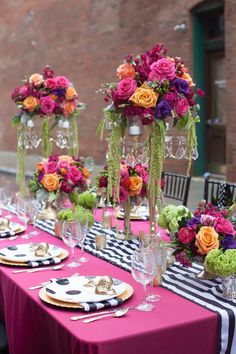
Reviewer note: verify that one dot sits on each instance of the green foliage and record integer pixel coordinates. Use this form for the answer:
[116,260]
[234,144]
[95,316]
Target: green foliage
[15,121]
[46,138]
[74,141]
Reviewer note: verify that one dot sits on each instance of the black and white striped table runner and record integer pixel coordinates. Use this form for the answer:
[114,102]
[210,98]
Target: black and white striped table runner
[177,279]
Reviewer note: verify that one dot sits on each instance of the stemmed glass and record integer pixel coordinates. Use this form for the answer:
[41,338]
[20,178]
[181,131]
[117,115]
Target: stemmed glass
[33,210]
[23,212]
[83,221]
[71,235]
[143,270]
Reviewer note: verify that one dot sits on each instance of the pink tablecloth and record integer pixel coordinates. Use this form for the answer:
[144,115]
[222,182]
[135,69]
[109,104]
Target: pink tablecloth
[176,326]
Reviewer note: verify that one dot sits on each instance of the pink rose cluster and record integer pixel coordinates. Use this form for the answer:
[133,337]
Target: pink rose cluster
[45,94]
[69,173]
[153,86]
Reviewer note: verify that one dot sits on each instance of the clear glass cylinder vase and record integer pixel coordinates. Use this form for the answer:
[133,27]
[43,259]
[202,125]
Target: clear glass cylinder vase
[229,286]
[134,126]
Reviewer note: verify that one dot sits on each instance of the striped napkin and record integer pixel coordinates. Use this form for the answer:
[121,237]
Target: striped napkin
[93,306]
[6,233]
[45,262]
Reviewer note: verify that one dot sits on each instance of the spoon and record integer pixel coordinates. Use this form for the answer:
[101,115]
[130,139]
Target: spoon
[57,267]
[118,313]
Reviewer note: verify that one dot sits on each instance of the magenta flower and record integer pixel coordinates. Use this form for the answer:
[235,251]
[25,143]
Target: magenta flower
[123,194]
[200,92]
[186,235]
[103,182]
[74,174]
[125,89]
[181,107]
[62,82]
[50,167]
[48,72]
[64,165]
[15,93]
[47,104]
[223,226]
[171,98]
[67,187]
[24,91]
[51,83]
[161,70]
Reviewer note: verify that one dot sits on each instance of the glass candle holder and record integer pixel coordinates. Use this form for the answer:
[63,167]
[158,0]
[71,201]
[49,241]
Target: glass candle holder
[135,126]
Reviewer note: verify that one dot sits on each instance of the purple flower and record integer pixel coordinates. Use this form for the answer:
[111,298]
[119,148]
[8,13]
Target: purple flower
[48,72]
[53,158]
[228,242]
[181,86]
[162,110]
[67,187]
[47,105]
[183,259]
[195,220]
[142,67]
[59,92]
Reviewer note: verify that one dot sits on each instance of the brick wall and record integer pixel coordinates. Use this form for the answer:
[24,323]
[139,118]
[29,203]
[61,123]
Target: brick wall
[86,40]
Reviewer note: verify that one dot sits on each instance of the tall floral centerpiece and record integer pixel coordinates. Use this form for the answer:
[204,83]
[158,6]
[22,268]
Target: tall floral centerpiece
[49,100]
[132,189]
[56,177]
[152,89]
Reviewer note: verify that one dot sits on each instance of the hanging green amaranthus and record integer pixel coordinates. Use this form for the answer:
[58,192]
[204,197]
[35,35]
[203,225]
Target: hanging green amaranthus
[21,153]
[156,152]
[74,141]
[46,138]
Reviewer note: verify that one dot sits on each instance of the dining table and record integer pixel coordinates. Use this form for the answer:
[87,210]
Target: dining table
[177,325]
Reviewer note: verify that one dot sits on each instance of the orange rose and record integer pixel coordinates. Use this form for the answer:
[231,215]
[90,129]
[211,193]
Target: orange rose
[30,103]
[71,93]
[188,78]
[144,96]
[69,108]
[66,158]
[85,173]
[125,71]
[40,166]
[36,79]
[136,184]
[50,182]
[207,239]
[53,97]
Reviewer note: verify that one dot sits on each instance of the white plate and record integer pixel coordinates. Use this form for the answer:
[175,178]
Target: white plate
[73,290]
[14,228]
[25,253]
[140,213]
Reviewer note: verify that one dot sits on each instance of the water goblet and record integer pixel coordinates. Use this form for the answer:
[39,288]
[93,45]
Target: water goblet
[33,210]
[83,222]
[143,270]
[23,212]
[71,235]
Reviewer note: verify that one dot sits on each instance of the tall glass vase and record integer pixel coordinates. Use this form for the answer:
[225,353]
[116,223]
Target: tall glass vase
[127,233]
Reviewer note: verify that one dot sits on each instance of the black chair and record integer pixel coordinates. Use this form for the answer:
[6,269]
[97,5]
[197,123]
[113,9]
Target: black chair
[3,339]
[218,192]
[176,187]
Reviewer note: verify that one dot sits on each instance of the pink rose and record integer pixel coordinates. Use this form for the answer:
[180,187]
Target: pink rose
[181,107]
[50,167]
[74,174]
[186,235]
[24,91]
[125,89]
[162,69]
[64,165]
[223,226]
[123,195]
[51,83]
[47,104]
[171,98]
[62,82]
[207,220]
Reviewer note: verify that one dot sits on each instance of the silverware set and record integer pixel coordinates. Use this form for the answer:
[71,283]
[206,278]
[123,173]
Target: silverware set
[57,267]
[91,317]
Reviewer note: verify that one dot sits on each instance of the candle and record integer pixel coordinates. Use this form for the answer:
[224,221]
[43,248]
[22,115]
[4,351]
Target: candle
[135,130]
[100,241]
[106,219]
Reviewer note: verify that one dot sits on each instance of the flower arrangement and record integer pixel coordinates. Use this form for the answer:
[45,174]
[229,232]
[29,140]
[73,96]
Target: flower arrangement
[156,88]
[59,174]
[47,98]
[195,235]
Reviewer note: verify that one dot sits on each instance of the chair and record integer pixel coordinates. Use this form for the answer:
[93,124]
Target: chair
[219,193]
[3,338]
[176,186]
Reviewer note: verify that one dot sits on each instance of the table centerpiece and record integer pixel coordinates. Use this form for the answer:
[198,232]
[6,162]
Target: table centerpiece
[51,101]
[58,177]
[153,90]
[194,235]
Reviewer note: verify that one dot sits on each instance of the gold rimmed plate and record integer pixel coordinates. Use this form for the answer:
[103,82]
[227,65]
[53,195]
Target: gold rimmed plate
[46,298]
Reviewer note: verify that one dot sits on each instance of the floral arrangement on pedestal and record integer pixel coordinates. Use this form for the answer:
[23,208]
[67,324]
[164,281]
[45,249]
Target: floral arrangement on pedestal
[152,90]
[197,234]
[132,188]
[59,176]
[45,98]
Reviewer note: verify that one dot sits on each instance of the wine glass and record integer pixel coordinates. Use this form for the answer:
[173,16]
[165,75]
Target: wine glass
[33,210]
[23,212]
[143,270]
[71,235]
[83,222]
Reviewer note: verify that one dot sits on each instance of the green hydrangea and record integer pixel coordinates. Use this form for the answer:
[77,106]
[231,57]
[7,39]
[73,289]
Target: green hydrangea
[77,214]
[86,199]
[171,215]
[221,263]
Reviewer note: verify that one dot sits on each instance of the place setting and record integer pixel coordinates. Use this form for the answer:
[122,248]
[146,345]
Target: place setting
[9,228]
[33,256]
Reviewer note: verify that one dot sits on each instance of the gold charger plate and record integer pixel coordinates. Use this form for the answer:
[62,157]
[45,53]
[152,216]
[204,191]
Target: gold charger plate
[62,256]
[43,296]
